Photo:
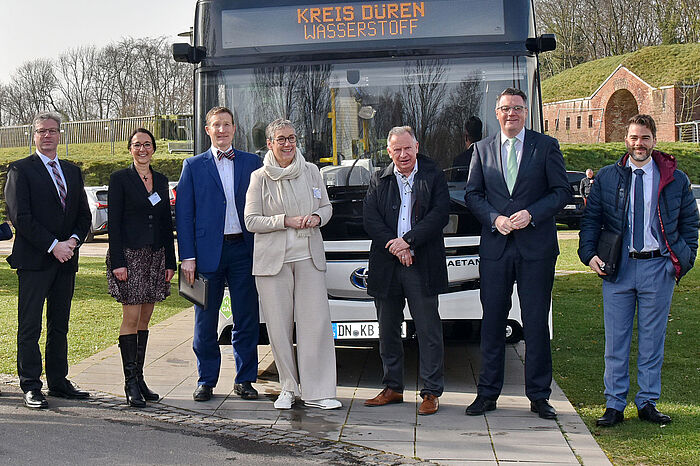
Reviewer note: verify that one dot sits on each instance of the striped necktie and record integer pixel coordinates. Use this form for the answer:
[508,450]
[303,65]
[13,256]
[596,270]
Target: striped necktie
[229,154]
[59,183]
[512,167]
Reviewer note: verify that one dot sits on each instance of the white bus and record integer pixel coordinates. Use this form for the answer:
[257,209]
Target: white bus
[345,73]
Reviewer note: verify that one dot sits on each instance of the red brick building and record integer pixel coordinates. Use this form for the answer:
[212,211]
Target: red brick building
[602,116]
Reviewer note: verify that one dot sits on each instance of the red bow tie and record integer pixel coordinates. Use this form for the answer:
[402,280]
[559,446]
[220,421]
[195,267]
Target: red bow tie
[229,154]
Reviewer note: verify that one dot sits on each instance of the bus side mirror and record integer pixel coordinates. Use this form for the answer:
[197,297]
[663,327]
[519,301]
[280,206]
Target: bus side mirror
[185,53]
[543,43]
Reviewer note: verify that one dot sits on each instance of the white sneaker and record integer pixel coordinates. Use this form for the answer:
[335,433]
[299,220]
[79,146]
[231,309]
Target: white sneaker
[327,403]
[285,400]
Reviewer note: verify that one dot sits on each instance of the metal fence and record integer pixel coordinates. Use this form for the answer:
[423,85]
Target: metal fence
[170,127]
[689,131]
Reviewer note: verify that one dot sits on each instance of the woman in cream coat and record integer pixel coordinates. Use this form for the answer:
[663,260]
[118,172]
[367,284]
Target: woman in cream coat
[286,204]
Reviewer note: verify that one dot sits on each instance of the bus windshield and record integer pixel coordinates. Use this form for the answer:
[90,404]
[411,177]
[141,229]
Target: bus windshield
[343,111]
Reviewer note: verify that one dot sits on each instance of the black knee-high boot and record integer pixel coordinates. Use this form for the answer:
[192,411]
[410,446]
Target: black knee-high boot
[127,345]
[146,392]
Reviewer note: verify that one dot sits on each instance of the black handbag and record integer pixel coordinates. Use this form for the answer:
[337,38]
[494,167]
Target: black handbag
[5,231]
[609,247]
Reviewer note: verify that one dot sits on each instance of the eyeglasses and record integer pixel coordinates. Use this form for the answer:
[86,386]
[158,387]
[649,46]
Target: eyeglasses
[51,131]
[145,145]
[515,108]
[281,140]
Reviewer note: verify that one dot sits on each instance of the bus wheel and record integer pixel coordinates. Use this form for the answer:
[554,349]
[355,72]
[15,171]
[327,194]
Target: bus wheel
[514,332]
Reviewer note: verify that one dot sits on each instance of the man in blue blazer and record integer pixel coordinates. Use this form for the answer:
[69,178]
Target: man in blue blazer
[517,183]
[212,239]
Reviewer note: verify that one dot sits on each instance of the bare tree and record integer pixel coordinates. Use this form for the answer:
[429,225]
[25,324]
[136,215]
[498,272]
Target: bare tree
[33,88]
[423,94]
[591,29]
[4,95]
[75,71]
[313,102]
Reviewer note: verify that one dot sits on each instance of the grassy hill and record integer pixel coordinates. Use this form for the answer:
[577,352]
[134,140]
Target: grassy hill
[582,156]
[660,65]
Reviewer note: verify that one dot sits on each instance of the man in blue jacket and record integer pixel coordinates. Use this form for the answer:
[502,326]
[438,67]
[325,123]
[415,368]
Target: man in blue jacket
[648,202]
[212,240]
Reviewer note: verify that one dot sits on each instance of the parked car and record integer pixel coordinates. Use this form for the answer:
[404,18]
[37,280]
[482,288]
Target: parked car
[173,194]
[571,214]
[97,201]
[696,193]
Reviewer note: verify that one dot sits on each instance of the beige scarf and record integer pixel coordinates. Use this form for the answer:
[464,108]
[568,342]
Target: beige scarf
[292,185]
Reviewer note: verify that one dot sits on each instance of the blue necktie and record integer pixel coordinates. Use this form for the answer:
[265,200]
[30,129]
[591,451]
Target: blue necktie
[638,227]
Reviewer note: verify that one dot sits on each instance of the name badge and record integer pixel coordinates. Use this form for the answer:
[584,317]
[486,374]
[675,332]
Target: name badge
[317,193]
[154,198]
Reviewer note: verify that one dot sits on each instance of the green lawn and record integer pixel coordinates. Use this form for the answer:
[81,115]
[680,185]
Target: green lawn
[577,350]
[95,315]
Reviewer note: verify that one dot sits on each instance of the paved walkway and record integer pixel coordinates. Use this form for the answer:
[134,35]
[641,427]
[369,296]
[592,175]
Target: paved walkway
[508,435]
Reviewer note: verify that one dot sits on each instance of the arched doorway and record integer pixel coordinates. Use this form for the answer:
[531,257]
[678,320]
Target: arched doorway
[621,107]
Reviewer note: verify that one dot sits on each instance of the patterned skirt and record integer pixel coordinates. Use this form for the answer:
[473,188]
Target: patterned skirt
[145,281]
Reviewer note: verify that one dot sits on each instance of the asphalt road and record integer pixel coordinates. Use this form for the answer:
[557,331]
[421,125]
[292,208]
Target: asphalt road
[80,433]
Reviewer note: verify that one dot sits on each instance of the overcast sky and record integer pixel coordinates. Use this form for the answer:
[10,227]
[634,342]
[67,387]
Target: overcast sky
[31,29]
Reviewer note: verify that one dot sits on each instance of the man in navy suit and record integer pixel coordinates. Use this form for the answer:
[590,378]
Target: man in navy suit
[47,205]
[212,240]
[517,183]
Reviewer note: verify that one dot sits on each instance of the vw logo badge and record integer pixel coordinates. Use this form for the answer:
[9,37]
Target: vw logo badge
[358,278]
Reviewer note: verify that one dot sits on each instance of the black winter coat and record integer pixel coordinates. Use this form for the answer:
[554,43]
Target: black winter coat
[429,215]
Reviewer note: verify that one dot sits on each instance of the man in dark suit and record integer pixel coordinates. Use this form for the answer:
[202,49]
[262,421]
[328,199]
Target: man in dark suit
[213,240]
[405,210]
[47,205]
[517,183]
[472,133]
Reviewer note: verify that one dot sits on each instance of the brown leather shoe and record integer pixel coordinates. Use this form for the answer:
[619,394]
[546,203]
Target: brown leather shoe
[429,405]
[385,397]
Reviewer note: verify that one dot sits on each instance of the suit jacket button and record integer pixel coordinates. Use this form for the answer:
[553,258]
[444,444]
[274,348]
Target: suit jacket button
[150,217]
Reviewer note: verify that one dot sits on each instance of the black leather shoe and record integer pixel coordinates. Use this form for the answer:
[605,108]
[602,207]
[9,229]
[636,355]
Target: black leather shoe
[480,405]
[35,399]
[651,414]
[203,393]
[610,418]
[543,409]
[245,390]
[68,390]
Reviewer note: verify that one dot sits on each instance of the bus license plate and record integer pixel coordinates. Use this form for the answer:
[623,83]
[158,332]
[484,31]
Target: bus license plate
[360,330]
[570,207]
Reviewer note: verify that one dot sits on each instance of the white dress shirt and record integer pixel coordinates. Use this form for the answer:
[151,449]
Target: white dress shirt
[505,147]
[650,243]
[405,190]
[232,225]
[46,161]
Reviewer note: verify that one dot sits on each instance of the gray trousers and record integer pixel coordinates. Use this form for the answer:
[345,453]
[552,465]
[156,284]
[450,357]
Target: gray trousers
[424,311]
[298,294]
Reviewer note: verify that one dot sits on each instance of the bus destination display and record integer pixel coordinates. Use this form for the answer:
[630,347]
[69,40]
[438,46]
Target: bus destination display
[291,25]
